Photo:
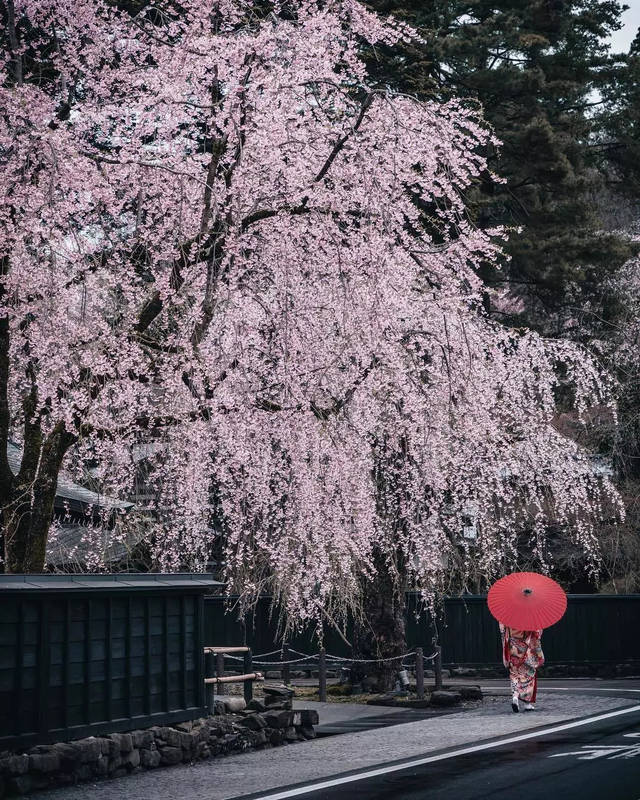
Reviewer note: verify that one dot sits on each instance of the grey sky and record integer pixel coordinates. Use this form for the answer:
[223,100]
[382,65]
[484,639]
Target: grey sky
[621,39]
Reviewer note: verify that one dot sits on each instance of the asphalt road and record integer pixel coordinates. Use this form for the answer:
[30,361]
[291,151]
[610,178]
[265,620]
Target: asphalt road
[596,761]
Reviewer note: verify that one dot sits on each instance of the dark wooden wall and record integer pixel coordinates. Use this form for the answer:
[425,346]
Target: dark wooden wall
[77,664]
[596,628]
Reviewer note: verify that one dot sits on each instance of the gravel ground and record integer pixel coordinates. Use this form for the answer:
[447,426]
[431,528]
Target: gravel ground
[235,775]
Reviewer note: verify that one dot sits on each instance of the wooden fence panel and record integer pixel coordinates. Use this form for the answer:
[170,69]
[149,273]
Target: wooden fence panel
[98,654]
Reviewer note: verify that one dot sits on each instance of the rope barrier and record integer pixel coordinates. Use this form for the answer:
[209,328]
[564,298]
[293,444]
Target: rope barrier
[272,653]
[338,660]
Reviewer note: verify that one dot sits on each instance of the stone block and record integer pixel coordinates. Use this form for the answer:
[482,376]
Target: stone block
[276,736]
[203,751]
[291,734]
[229,741]
[470,692]
[115,763]
[170,755]
[278,719]
[132,759]
[89,749]
[102,765]
[150,758]
[120,773]
[169,736]
[83,772]
[123,741]
[308,717]
[282,692]
[68,755]
[185,727]
[233,704]
[275,704]
[188,740]
[256,705]
[44,762]
[443,698]
[255,722]
[20,784]
[463,672]
[142,738]
[14,765]
[259,738]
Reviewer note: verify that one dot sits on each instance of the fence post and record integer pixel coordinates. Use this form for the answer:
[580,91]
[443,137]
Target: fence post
[220,673]
[248,684]
[420,673]
[322,675]
[285,672]
[209,688]
[437,666]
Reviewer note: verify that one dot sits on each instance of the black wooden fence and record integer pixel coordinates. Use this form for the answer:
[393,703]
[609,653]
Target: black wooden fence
[86,654]
[595,629]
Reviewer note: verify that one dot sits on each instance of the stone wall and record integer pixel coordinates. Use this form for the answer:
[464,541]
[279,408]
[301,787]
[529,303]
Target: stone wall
[626,669]
[233,728]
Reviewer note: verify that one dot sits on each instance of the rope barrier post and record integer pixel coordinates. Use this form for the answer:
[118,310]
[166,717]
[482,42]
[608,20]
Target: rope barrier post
[248,684]
[220,672]
[322,675]
[209,672]
[420,673]
[437,667]
[285,671]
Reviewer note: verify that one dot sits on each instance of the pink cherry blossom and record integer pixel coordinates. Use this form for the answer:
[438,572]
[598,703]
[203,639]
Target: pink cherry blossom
[219,237]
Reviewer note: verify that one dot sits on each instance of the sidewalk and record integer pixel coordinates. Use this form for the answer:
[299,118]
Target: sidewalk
[234,776]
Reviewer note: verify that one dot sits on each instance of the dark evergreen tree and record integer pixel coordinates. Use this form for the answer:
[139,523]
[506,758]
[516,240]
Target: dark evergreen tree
[537,67]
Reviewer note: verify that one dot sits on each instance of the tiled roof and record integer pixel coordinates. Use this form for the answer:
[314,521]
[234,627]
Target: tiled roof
[67,489]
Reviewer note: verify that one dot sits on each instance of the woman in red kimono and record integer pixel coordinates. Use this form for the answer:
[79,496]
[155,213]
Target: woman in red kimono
[522,655]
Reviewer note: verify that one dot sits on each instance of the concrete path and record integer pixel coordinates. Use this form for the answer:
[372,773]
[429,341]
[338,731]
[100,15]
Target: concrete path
[238,775]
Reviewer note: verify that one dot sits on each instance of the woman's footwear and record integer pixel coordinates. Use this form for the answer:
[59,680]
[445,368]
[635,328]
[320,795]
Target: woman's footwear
[529,707]
[515,705]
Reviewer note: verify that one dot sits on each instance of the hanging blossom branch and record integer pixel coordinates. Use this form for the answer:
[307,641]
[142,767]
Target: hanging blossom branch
[219,258]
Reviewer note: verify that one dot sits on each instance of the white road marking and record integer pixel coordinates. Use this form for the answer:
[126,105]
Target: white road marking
[417,762]
[610,751]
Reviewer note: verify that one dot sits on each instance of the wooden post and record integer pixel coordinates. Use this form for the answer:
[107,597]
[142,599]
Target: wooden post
[220,672]
[437,667]
[285,672]
[248,684]
[322,676]
[209,688]
[420,673]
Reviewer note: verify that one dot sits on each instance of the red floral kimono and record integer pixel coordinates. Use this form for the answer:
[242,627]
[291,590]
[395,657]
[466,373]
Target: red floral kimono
[522,655]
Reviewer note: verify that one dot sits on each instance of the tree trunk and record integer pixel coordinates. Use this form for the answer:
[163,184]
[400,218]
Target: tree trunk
[381,633]
[27,507]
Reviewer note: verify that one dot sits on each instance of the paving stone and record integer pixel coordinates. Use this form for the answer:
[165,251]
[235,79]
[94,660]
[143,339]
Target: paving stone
[470,692]
[442,698]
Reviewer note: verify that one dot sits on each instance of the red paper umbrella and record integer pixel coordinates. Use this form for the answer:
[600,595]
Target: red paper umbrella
[527,601]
